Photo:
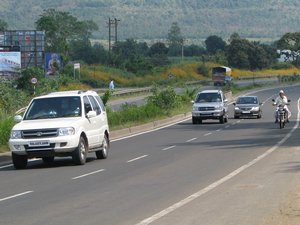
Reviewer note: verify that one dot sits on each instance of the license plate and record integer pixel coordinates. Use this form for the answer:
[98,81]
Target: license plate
[246,112]
[39,143]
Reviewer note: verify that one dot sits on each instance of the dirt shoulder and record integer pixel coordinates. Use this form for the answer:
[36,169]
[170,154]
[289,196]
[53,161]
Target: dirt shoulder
[288,212]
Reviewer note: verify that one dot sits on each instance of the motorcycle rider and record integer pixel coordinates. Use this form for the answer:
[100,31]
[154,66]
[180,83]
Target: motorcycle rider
[282,100]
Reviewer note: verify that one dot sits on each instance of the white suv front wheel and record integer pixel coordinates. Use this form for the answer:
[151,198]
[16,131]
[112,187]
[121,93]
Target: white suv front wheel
[19,161]
[80,153]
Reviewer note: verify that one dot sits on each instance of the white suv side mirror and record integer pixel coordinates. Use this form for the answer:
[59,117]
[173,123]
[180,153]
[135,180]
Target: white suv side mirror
[18,118]
[91,114]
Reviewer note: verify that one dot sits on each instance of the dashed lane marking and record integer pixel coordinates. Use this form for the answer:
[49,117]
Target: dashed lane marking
[132,160]
[88,174]
[170,147]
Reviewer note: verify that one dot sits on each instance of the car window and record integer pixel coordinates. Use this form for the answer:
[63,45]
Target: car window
[247,100]
[95,105]
[209,97]
[87,105]
[54,107]
[99,100]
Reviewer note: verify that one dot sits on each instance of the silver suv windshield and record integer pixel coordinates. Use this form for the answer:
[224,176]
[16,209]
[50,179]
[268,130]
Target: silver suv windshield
[208,97]
[54,107]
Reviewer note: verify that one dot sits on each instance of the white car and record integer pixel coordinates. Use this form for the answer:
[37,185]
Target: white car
[210,104]
[68,123]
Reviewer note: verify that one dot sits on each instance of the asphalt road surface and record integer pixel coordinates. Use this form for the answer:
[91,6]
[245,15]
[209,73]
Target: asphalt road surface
[210,174]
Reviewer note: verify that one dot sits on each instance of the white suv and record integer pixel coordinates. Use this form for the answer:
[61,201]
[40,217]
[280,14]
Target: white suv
[210,104]
[68,123]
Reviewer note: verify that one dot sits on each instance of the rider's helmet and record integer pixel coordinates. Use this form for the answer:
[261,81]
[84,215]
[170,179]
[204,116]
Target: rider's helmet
[281,92]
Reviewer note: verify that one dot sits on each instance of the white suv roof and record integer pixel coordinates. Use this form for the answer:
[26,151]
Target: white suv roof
[67,93]
[211,91]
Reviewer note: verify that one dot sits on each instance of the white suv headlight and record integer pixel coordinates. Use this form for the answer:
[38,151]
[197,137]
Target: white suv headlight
[218,107]
[195,108]
[255,108]
[16,134]
[66,131]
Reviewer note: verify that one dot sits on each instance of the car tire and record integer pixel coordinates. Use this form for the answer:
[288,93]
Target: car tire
[102,154]
[194,120]
[19,161]
[221,119]
[48,160]
[200,121]
[236,117]
[80,153]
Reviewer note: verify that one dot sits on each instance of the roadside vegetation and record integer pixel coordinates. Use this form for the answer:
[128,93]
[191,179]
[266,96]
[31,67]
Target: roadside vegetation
[163,66]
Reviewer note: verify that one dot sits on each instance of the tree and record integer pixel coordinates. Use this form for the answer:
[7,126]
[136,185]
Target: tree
[193,50]
[214,43]
[158,48]
[237,53]
[244,54]
[3,25]
[175,40]
[61,27]
[290,41]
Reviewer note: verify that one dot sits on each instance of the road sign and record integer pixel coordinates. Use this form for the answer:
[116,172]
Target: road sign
[76,65]
[34,80]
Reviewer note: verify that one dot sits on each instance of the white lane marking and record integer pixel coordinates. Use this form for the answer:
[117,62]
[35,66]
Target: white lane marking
[193,139]
[2,167]
[219,182]
[218,130]
[132,160]
[207,134]
[88,174]
[227,126]
[238,121]
[15,196]
[11,165]
[170,147]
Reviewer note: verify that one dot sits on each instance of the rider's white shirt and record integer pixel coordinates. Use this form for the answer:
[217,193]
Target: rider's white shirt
[281,101]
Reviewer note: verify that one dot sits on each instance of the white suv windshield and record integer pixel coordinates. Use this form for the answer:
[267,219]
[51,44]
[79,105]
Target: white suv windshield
[54,107]
[208,97]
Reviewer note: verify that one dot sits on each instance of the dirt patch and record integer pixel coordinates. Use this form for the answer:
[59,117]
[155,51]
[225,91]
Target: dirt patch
[288,212]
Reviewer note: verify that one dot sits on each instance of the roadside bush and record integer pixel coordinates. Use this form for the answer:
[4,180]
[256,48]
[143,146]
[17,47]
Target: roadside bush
[203,70]
[132,114]
[165,99]
[281,65]
[6,124]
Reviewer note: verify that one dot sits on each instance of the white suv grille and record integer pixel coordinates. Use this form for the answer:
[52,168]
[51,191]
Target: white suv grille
[26,134]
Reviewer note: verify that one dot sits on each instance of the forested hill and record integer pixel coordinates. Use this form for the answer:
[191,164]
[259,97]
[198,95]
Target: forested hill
[153,18]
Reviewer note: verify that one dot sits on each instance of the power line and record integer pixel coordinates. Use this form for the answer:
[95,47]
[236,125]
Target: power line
[112,24]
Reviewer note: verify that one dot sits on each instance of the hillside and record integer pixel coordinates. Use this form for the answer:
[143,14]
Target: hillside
[150,19]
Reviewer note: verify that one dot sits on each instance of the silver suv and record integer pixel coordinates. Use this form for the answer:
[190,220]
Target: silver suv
[68,123]
[210,104]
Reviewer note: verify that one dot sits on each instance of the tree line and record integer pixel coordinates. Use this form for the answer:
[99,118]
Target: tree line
[71,37]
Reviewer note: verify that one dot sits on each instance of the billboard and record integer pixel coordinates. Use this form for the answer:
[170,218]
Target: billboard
[10,64]
[31,43]
[52,63]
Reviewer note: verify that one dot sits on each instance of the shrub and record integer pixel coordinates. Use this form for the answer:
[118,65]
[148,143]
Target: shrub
[203,70]
[166,99]
[6,124]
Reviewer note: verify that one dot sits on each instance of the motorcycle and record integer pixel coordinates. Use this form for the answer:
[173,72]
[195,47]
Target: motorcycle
[282,114]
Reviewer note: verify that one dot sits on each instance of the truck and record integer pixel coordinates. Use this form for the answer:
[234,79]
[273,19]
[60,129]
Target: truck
[221,75]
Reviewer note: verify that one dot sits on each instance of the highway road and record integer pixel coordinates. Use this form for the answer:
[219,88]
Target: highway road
[140,100]
[211,173]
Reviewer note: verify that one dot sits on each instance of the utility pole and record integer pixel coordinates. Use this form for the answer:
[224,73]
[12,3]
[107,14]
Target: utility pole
[112,24]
